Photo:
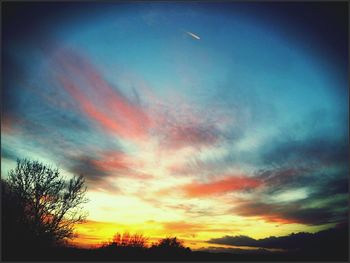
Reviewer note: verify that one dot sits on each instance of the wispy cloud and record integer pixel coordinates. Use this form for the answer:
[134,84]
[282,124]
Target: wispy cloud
[99,100]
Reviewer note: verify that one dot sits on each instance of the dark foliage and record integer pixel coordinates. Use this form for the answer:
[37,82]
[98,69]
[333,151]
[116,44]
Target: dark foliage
[171,246]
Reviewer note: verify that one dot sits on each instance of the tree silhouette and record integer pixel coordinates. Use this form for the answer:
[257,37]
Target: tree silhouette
[40,208]
[127,240]
[170,242]
[134,247]
[170,246]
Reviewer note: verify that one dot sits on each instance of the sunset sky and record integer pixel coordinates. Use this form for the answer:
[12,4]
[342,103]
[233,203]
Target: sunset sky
[242,130]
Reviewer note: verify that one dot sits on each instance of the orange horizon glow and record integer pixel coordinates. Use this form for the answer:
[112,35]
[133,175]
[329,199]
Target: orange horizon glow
[94,234]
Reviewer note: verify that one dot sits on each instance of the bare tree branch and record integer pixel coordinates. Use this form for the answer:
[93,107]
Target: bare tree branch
[51,206]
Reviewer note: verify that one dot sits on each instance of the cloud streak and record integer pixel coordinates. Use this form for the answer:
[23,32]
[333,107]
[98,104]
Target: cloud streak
[98,100]
[229,183]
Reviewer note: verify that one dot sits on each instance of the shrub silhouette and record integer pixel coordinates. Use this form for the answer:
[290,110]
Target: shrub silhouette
[170,242]
[170,245]
[40,208]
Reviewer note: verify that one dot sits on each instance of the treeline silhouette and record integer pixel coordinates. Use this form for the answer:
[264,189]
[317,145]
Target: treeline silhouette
[40,209]
[135,247]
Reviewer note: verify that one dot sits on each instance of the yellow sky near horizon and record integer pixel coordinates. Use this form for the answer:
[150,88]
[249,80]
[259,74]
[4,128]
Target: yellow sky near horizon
[194,235]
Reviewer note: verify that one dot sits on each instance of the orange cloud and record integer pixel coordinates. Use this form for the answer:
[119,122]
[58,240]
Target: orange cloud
[279,219]
[181,227]
[227,184]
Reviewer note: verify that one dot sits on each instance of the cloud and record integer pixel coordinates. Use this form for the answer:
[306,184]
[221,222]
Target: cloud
[227,184]
[305,195]
[8,154]
[192,166]
[86,166]
[98,100]
[337,185]
[106,106]
[86,155]
[313,150]
[182,135]
[179,124]
[96,177]
[12,122]
[235,241]
[111,161]
[102,168]
[325,179]
[283,178]
[320,240]
[293,212]
[182,227]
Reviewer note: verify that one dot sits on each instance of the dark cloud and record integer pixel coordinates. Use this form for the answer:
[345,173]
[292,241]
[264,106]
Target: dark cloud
[319,167]
[338,185]
[331,211]
[94,174]
[323,239]
[236,241]
[86,166]
[325,200]
[324,180]
[311,150]
[8,154]
[283,177]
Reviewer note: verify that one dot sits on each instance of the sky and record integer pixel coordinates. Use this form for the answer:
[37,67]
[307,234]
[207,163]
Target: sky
[198,120]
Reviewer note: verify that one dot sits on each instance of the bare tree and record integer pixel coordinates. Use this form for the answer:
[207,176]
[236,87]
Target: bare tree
[128,240]
[50,205]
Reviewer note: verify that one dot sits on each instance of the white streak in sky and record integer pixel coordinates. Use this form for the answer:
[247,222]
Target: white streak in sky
[193,35]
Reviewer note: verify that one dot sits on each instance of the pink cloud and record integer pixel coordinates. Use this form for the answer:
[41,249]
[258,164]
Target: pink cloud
[112,161]
[99,101]
[175,127]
